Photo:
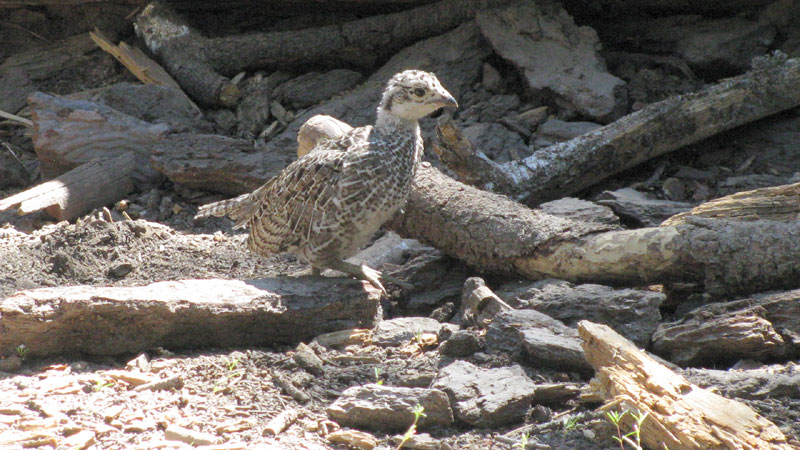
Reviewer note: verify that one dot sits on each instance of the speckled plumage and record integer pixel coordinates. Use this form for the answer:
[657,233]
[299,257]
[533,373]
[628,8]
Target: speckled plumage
[328,203]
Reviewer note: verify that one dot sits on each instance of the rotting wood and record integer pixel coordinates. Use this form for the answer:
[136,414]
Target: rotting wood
[680,415]
[568,167]
[781,203]
[140,65]
[282,421]
[91,185]
[196,62]
[179,314]
[760,327]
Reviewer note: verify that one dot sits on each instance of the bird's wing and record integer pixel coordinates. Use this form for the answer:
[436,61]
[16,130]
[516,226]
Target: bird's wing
[305,197]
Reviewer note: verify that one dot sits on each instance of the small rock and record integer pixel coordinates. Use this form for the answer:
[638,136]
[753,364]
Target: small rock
[140,362]
[120,270]
[176,433]
[497,142]
[224,119]
[555,130]
[638,208]
[462,343]
[315,87]
[491,79]
[305,357]
[386,408]
[580,211]
[10,364]
[534,117]
[421,441]
[396,332]
[486,397]
[491,110]
[353,439]
[537,337]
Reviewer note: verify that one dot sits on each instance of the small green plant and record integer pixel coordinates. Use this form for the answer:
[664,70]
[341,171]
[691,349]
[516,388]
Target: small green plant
[418,337]
[570,423]
[419,411]
[21,351]
[99,385]
[523,441]
[378,375]
[634,438]
[231,372]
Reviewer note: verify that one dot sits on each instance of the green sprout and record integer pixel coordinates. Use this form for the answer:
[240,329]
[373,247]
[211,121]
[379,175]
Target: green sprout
[21,351]
[633,438]
[378,376]
[523,441]
[419,411]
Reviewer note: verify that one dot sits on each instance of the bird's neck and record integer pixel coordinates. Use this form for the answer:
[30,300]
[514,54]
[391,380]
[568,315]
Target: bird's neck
[387,121]
[405,135]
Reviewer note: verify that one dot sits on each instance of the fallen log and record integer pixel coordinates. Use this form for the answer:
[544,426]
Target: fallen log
[780,203]
[91,185]
[728,256]
[196,62]
[565,168]
[181,314]
[679,414]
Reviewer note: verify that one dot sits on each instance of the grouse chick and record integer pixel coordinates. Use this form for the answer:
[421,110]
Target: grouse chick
[327,204]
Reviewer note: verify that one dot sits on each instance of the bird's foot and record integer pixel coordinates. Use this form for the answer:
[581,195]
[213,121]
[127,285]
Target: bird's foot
[371,275]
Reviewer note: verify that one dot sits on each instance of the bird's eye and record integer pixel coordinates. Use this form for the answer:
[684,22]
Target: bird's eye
[419,92]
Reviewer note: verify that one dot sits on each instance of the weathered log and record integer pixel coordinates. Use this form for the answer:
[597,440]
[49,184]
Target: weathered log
[761,327]
[781,203]
[180,314]
[91,185]
[662,127]
[679,414]
[68,133]
[196,61]
[215,163]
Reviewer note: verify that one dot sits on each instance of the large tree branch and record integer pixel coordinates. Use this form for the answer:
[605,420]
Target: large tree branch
[566,168]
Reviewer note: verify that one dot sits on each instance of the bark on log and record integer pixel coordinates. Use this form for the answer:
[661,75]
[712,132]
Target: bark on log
[91,185]
[68,133]
[179,314]
[680,414]
[565,168]
[762,327]
[195,61]
[780,203]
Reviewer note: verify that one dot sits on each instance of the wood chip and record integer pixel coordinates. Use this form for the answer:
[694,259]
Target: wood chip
[354,439]
[280,422]
[176,433]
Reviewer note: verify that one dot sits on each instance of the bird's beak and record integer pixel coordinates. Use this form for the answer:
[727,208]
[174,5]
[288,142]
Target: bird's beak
[445,100]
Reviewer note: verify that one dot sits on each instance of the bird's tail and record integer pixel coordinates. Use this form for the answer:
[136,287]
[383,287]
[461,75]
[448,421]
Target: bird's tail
[236,208]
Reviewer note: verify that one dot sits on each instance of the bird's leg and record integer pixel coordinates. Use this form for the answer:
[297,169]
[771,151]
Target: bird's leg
[364,272]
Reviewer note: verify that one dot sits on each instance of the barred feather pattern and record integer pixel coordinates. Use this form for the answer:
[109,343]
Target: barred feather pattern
[326,205]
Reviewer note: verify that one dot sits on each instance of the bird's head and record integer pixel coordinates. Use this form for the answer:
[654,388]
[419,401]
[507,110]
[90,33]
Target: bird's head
[413,94]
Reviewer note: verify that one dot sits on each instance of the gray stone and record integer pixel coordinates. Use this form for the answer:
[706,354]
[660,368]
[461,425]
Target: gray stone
[555,55]
[462,343]
[555,130]
[395,332]
[533,336]
[486,397]
[767,382]
[419,441]
[387,408]
[151,103]
[305,357]
[491,110]
[633,313]
[491,80]
[315,87]
[634,206]
[496,141]
[581,211]
[388,249]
